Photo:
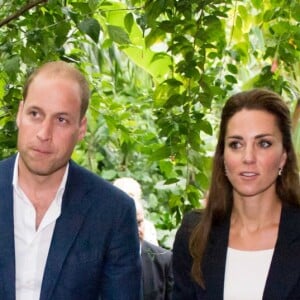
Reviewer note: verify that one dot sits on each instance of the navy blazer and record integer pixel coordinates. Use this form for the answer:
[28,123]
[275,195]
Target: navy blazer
[94,250]
[283,280]
[157,272]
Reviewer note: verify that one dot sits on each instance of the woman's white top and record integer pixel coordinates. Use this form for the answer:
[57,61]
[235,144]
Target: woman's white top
[246,274]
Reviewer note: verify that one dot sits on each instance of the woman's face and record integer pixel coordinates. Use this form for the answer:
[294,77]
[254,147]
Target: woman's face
[253,152]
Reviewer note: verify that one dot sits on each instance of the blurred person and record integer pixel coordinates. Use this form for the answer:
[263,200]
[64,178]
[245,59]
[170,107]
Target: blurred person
[65,233]
[157,275]
[133,189]
[245,244]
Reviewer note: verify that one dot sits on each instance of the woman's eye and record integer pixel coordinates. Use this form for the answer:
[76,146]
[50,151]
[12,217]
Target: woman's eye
[234,144]
[265,144]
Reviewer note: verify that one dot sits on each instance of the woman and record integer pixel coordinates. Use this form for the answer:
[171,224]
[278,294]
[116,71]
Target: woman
[246,243]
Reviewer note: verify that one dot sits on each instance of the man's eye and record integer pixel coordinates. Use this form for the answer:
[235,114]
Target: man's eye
[33,113]
[62,120]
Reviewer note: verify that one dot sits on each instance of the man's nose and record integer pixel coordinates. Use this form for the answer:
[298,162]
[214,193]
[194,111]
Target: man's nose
[45,131]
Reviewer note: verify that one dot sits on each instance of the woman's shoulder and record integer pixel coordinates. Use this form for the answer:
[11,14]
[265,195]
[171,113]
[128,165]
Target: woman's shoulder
[291,214]
[191,219]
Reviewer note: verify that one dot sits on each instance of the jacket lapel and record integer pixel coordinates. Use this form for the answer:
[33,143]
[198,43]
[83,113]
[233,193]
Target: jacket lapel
[7,248]
[285,266]
[215,259]
[73,213]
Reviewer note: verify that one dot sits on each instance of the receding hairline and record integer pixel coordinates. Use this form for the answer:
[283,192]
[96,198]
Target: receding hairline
[61,69]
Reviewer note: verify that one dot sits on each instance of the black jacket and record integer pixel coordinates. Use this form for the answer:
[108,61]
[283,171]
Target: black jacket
[157,272]
[283,281]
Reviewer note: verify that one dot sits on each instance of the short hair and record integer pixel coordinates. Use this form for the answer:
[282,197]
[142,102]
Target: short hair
[65,70]
[129,186]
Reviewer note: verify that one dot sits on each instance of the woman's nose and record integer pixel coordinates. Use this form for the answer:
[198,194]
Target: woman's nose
[249,154]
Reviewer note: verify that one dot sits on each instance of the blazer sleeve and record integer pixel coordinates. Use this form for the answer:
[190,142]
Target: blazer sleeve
[169,279]
[184,286]
[122,269]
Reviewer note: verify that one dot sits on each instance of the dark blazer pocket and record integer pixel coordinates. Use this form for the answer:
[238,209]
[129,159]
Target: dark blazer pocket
[81,271]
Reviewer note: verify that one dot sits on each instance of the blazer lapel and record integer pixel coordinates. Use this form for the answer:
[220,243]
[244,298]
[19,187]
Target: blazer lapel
[215,260]
[74,211]
[285,266]
[7,248]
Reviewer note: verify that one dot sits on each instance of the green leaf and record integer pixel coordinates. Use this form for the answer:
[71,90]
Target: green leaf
[268,15]
[167,169]
[243,12]
[167,26]
[12,66]
[296,12]
[171,180]
[109,174]
[82,7]
[118,35]
[232,68]
[206,127]
[91,27]
[62,29]
[93,4]
[128,22]
[257,3]
[161,153]
[2,87]
[156,35]
[175,100]
[153,9]
[28,55]
[281,28]
[230,79]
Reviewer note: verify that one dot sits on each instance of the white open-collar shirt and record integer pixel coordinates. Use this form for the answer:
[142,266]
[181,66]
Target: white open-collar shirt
[31,244]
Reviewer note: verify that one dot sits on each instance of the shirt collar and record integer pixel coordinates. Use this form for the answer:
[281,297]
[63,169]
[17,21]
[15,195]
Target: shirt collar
[60,190]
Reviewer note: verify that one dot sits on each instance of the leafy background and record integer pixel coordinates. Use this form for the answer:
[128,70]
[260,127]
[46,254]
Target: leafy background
[160,70]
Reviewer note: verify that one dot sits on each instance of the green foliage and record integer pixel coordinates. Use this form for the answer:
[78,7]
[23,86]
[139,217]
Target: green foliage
[160,70]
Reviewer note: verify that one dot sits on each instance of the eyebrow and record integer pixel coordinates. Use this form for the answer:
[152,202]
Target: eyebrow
[42,110]
[259,136]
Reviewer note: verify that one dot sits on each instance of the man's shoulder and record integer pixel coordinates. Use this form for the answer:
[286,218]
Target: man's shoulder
[100,187]
[7,168]
[151,249]
[8,162]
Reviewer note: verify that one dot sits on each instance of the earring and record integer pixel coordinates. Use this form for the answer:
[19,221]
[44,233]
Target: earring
[279,171]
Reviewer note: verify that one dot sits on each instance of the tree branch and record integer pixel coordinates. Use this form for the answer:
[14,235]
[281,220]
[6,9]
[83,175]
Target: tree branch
[22,10]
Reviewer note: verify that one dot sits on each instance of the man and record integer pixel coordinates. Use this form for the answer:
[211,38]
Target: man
[157,278]
[133,188]
[65,234]
[157,274]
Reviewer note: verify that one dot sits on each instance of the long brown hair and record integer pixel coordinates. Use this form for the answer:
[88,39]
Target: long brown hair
[220,199]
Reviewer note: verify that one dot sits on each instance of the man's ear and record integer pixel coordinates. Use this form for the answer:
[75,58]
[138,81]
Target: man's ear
[82,128]
[20,110]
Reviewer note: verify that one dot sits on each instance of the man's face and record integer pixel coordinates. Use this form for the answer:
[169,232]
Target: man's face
[141,223]
[49,125]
